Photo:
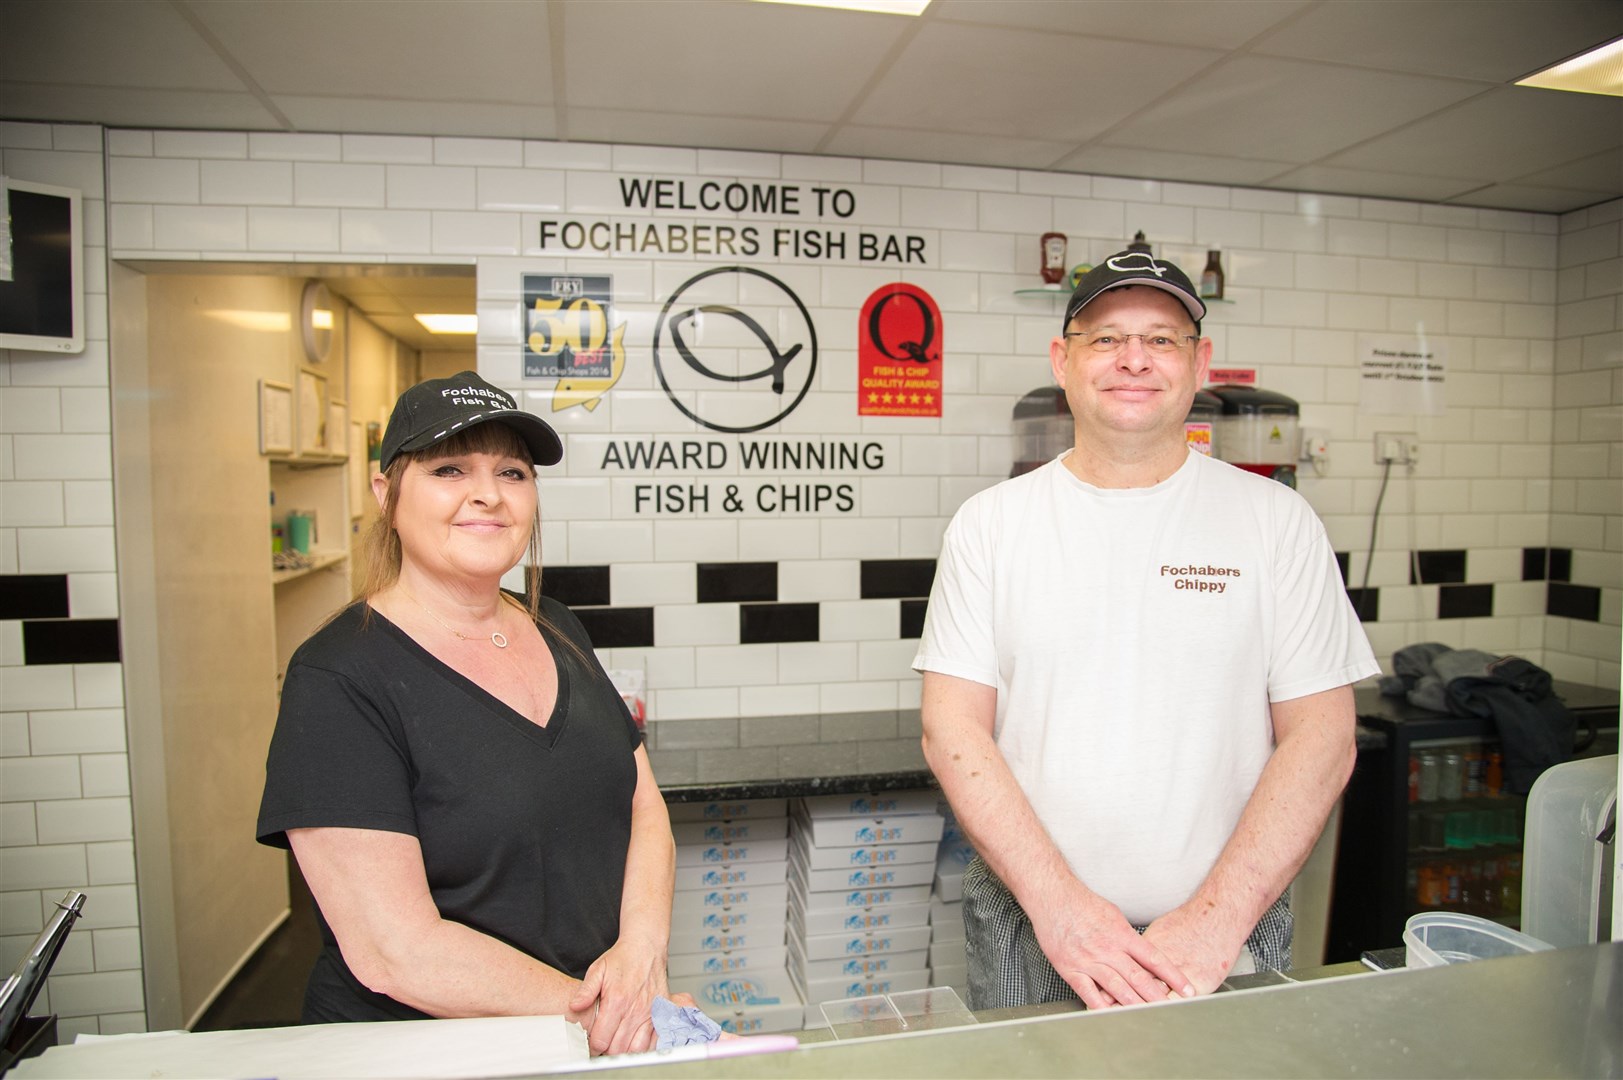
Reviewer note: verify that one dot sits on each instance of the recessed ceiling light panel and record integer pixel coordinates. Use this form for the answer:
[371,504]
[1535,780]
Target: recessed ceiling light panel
[1598,71]
[884,7]
[449,324]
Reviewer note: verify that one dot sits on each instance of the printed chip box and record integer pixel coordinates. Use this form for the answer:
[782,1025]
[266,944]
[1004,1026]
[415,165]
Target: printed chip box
[871,966]
[831,946]
[744,875]
[949,872]
[764,897]
[852,878]
[728,810]
[769,960]
[743,831]
[729,920]
[820,990]
[726,941]
[829,858]
[869,830]
[855,899]
[732,854]
[863,921]
[870,805]
[748,1004]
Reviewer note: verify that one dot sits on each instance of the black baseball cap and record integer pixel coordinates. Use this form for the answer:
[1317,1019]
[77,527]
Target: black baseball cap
[1134,268]
[439,408]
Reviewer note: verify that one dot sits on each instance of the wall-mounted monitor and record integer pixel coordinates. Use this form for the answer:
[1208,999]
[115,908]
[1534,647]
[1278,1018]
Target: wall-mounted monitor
[42,296]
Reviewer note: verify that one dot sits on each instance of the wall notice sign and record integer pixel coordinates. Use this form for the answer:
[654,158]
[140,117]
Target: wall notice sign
[1231,376]
[1401,374]
[899,335]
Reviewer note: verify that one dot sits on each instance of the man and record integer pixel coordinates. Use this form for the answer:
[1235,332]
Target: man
[1137,664]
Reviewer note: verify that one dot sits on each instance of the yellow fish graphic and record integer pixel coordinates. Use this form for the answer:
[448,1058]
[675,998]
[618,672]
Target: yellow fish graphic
[589,392]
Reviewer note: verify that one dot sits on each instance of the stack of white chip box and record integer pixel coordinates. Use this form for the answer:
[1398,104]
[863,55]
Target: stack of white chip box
[859,890]
[729,912]
[948,965]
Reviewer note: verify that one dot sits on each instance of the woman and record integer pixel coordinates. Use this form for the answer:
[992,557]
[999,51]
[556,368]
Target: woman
[462,786]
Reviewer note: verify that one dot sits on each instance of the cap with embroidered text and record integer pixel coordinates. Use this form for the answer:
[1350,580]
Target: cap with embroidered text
[439,408]
[1134,268]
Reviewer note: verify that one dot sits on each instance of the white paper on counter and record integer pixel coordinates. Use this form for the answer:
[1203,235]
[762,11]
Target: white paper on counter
[482,1047]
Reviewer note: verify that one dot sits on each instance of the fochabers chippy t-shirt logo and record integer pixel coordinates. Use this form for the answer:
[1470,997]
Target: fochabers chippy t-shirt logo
[1195,578]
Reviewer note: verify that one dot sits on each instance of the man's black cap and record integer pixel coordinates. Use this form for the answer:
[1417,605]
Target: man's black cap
[1134,268]
[439,408]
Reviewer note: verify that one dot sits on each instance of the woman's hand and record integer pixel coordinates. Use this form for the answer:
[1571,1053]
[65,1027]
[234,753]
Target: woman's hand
[622,985]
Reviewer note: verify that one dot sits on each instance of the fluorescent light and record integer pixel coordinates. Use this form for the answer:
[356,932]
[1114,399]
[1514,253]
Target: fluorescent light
[884,7]
[449,324]
[1598,71]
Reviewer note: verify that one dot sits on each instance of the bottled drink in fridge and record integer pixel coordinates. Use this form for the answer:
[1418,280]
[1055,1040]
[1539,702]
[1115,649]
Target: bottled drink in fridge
[1451,776]
[1427,785]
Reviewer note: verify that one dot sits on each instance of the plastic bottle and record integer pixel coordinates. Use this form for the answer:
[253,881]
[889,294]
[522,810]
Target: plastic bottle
[1493,782]
[1414,778]
[1428,776]
[1451,776]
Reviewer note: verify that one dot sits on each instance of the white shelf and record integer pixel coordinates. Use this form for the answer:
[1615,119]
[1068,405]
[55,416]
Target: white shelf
[319,560]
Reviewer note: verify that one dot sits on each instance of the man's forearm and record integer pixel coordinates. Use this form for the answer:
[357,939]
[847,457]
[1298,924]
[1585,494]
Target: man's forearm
[989,804]
[1285,814]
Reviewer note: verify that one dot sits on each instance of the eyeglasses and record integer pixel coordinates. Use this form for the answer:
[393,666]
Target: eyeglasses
[1109,342]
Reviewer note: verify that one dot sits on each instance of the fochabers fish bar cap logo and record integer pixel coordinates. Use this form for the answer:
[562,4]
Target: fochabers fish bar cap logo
[439,408]
[1134,268]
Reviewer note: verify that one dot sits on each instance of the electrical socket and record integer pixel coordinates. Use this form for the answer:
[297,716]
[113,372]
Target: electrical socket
[1397,447]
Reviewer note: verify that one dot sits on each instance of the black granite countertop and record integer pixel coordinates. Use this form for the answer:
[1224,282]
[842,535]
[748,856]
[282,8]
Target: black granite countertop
[774,757]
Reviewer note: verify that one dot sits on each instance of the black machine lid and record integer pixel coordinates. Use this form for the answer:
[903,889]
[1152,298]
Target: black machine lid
[1248,400]
[1043,401]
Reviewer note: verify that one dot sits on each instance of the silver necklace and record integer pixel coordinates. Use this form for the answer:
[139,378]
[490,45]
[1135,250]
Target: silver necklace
[497,638]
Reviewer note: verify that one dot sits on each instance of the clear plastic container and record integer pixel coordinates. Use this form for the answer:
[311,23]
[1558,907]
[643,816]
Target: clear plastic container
[1434,938]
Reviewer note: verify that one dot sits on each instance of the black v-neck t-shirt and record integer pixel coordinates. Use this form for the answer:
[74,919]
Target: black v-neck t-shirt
[523,828]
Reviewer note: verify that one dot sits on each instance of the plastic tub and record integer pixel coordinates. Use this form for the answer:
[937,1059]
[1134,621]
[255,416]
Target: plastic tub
[1434,938]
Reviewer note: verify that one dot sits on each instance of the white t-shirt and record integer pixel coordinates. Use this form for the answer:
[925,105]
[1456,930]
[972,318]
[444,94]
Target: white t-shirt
[1135,638]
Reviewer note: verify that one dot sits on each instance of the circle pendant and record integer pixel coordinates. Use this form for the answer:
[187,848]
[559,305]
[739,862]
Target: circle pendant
[499,640]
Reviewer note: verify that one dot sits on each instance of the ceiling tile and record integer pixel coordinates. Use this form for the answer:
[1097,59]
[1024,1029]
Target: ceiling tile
[1170,165]
[1493,42]
[429,49]
[706,132]
[394,117]
[944,147]
[140,43]
[1598,172]
[1497,136]
[1382,185]
[992,81]
[752,60]
[130,107]
[1221,24]
[1525,197]
[1285,110]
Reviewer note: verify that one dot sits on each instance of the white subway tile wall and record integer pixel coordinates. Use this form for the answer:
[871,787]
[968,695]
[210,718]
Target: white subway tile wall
[65,814]
[1526,456]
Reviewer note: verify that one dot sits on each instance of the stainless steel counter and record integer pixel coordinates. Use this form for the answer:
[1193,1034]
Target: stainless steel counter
[1551,1014]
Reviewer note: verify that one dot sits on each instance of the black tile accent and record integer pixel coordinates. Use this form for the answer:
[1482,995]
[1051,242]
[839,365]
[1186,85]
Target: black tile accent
[71,641]
[617,627]
[913,618]
[1535,564]
[575,586]
[760,624]
[1342,558]
[1573,601]
[1438,567]
[33,596]
[1367,603]
[1464,601]
[737,581]
[1560,564]
[887,579]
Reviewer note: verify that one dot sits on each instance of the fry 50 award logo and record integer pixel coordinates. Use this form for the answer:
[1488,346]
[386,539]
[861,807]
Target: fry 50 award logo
[730,363]
[568,336]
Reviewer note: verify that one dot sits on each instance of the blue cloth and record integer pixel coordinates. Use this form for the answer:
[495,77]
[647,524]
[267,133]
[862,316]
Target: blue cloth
[681,1025]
